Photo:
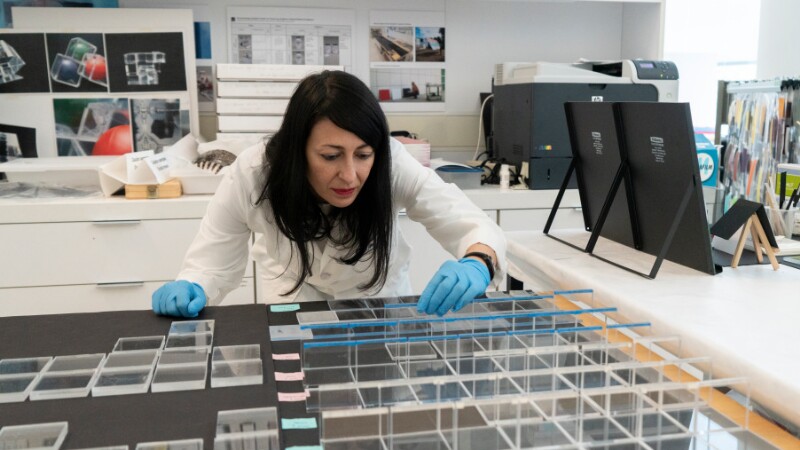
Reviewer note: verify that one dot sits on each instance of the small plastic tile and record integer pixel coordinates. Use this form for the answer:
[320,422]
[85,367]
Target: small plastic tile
[237,373]
[63,385]
[189,340]
[131,359]
[317,317]
[76,362]
[186,444]
[139,343]
[236,352]
[184,356]
[179,377]
[15,388]
[20,366]
[191,327]
[110,447]
[247,420]
[260,440]
[39,436]
[122,381]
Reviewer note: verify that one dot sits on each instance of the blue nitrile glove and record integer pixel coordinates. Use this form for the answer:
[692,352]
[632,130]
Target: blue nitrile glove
[455,285]
[179,298]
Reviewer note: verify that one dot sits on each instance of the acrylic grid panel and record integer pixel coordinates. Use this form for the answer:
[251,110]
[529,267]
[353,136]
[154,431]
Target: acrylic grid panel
[623,401]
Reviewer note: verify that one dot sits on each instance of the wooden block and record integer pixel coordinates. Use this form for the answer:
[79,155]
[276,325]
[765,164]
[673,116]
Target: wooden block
[170,189]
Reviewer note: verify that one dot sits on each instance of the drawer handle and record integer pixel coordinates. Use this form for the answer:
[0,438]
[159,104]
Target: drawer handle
[104,223]
[121,284]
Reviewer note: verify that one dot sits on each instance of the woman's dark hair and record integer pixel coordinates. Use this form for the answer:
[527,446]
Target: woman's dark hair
[364,227]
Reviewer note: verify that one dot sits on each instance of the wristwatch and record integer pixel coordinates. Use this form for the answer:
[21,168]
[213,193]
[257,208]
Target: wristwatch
[486,260]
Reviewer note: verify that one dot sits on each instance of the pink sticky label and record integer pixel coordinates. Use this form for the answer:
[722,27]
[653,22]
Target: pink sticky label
[286,356]
[289,376]
[292,396]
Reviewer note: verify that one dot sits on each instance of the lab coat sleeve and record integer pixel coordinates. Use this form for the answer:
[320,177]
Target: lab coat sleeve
[218,256]
[445,211]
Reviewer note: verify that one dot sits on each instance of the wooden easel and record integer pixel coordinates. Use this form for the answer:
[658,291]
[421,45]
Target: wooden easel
[760,242]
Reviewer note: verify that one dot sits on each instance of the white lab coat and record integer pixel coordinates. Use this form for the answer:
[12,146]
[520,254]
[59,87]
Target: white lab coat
[218,256]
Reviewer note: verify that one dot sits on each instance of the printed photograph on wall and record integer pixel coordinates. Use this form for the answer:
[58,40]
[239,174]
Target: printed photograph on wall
[77,62]
[23,63]
[391,44]
[156,123]
[205,88]
[17,142]
[429,44]
[92,126]
[146,62]
[407,60]
[407,85]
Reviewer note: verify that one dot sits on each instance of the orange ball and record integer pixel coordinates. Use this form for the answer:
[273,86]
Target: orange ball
[115,141]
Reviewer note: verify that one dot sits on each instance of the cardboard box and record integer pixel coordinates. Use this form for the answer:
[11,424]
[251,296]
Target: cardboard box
[170,189]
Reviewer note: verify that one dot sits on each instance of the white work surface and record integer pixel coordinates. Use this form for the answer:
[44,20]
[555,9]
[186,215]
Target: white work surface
[745,319]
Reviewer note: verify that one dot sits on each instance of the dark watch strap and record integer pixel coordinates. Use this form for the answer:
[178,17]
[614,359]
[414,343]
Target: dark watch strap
[486,260]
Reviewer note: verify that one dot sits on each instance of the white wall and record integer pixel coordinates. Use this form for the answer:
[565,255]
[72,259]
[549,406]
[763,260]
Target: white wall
[778,52]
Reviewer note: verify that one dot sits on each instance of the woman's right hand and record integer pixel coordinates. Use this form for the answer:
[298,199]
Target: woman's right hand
[179,298]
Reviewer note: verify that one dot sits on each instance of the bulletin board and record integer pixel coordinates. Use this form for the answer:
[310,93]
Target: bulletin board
[142,85]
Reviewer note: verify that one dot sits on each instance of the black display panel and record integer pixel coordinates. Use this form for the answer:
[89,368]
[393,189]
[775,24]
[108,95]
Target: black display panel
[639,181]
[596,152]
[657,139]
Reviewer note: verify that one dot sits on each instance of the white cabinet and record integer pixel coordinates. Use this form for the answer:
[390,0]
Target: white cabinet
[95,254]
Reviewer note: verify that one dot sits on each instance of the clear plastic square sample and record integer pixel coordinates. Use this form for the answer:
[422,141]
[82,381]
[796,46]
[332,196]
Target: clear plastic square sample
[131,359]
[20,366]
[236,352]
[236,373]
[39,436]
[247,420]
[189,340]
[259,440]
[179,377]
[139,343]
[186,444]
[76,362]
[52,385]
[184,356]
[123,381]
[191,327]
[15,388]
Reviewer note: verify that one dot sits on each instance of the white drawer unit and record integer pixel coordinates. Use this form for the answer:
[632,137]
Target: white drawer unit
[94,252]
[95,297]
[535,219]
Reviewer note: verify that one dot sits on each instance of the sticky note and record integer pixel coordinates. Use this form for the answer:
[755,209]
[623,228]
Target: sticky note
[284,307]
[303,423]
[289,376]
[286,356]
[292,396]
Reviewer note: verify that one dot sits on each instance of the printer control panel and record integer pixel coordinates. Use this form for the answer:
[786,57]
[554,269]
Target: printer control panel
[655,70]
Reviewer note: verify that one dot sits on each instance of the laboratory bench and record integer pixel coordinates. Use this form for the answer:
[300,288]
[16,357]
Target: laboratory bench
[63,255]
[744,319]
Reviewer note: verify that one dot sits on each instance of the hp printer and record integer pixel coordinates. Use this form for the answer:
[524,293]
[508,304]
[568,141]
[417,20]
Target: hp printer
[529,123]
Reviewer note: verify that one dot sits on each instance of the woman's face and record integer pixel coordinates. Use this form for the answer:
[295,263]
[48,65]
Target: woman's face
[338,163]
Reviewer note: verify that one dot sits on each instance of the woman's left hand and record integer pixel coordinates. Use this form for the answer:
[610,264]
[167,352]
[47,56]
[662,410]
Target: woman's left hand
[455,285]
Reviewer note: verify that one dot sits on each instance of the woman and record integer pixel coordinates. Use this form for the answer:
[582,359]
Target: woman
[323,201]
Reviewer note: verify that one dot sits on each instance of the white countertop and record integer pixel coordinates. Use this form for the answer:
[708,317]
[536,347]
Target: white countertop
[745,319]
[22,210]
